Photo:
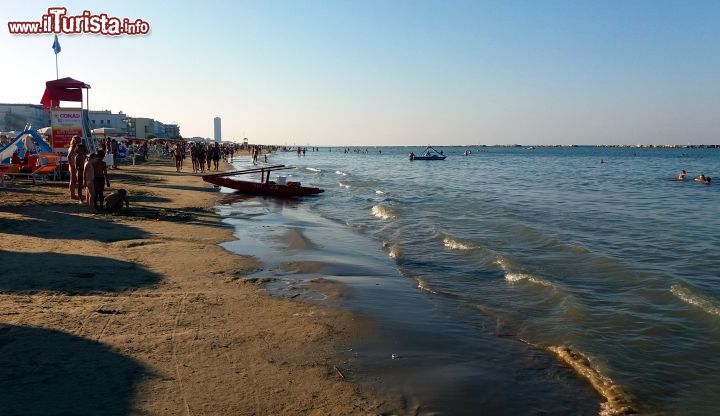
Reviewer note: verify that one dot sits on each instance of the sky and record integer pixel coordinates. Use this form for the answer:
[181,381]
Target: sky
[393,72]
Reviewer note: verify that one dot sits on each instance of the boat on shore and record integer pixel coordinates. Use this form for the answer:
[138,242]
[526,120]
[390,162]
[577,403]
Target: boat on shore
[280,187]
[430,153]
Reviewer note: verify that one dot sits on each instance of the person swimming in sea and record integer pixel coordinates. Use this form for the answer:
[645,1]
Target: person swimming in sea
[703,179]
[681,175]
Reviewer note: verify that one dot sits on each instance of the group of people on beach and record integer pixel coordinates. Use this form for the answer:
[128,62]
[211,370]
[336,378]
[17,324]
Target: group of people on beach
[702,178]
[89,176]
[203,156]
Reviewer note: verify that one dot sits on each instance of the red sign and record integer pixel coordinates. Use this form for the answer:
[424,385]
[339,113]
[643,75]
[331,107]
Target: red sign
[65,123]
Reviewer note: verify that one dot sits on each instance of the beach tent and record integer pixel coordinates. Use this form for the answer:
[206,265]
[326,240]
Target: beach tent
[64,89]
[25,140]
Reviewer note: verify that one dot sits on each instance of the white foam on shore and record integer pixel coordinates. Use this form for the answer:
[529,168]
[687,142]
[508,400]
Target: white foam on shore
[700,301]
[383,212]
[617,401]
[455,245]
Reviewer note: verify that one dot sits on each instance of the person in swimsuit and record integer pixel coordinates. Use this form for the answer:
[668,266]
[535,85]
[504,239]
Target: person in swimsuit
[101,178]
[89,182]
[79,162]
[71,166]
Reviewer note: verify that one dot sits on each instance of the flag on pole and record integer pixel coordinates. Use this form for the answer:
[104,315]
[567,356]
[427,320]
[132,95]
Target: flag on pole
[56,46]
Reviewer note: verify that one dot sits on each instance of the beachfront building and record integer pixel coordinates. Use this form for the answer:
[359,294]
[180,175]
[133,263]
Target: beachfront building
[218,135]
[140,127]
[14,117]
[159,130]
[172,131]
[106,119]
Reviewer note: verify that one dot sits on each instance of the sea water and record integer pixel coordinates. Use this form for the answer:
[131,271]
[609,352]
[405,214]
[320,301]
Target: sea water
[521,280]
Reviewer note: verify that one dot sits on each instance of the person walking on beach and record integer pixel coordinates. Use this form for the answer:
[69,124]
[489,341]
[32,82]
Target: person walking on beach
[89,181]
[72,153]
[215,153]
[209,156]
[79,163]
[101,178]
[114,151]
[178,154]
[193,156]
[201,157]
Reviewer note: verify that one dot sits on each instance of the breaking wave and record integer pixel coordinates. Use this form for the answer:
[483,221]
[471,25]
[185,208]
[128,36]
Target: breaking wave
[380,193]
[383,212]
[617,401]
[515,278]
[698,300]
[453,244]
[313,169]
[344,185]
[341,173]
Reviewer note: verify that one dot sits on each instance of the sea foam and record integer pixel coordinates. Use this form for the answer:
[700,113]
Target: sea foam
[455,245]
[688,296]
[617,401]
[382,212]
[514,278]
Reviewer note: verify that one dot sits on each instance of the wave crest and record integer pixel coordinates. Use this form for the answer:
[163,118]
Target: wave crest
[515,278]
[617,401]
[383,212]
[341,173]
[455,245]
[696,299]
[313,169]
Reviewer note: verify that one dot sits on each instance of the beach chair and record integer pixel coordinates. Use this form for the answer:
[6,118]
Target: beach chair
[42,172]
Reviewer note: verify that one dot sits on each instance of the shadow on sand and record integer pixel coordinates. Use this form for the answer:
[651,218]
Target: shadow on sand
[70,273]
[60,222]
[49,372]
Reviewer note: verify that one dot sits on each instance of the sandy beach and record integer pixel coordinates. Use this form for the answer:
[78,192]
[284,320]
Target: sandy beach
[143,312]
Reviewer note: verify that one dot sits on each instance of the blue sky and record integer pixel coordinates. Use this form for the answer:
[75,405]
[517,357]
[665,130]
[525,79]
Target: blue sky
[395,72]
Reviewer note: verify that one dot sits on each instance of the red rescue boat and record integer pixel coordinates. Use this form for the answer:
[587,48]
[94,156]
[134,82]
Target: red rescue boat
[281,187]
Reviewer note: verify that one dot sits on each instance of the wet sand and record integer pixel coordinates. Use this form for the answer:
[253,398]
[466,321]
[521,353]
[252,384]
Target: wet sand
[145,313]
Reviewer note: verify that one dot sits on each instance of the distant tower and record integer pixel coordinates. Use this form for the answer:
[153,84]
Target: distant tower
[218,135]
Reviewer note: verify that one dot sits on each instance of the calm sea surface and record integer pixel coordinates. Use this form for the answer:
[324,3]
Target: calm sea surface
[492,275]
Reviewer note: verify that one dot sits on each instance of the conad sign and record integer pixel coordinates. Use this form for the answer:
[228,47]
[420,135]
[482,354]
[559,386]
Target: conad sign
[65,123]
